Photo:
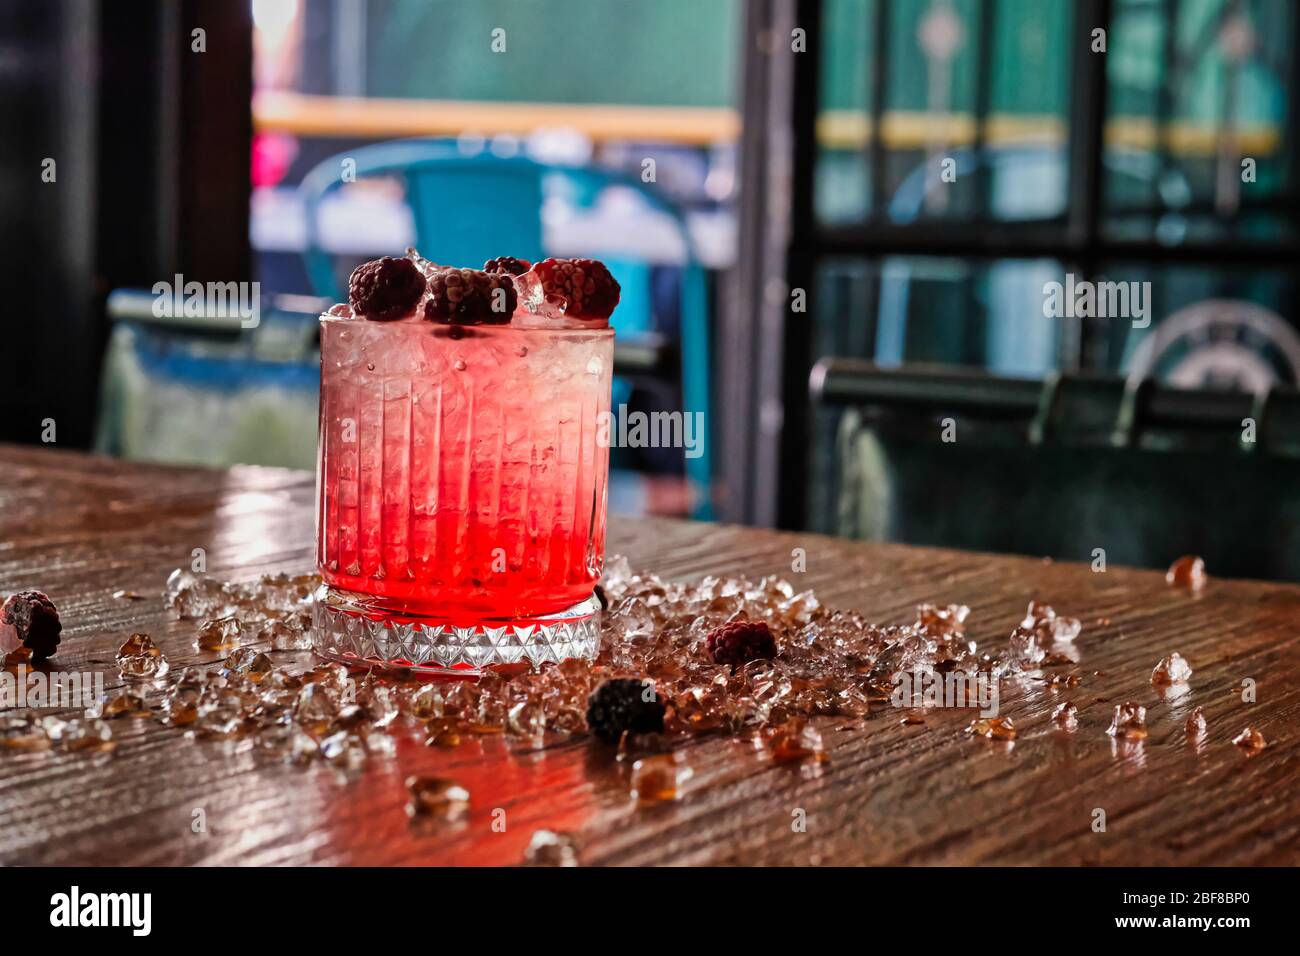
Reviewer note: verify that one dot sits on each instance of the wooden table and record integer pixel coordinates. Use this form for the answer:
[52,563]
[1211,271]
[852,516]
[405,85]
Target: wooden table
[81,528]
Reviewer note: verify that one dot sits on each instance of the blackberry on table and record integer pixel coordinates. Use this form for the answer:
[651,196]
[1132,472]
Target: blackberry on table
[624,704]
[35,621]
[740,642]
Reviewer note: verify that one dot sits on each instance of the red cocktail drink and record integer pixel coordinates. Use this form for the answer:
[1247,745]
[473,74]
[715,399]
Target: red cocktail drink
[461,485]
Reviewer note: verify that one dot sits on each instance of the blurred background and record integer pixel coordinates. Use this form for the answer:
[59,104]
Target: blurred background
[834,222]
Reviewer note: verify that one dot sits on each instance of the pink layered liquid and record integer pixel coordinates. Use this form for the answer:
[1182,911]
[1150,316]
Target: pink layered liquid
[461,470]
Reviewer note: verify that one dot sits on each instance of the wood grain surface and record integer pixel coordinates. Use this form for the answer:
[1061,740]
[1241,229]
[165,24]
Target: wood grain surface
[81,528]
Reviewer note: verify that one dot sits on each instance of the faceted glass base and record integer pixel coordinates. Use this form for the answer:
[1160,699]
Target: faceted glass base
[351,628]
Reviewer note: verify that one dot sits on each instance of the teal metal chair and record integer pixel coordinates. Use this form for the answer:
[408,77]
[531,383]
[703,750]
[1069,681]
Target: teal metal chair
[470,208]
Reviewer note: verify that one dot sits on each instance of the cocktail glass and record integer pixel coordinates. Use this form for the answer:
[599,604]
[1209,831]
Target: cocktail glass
[461,492]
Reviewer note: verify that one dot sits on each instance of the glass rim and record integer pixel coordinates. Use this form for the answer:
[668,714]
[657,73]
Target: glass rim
[490,326]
